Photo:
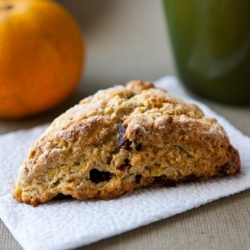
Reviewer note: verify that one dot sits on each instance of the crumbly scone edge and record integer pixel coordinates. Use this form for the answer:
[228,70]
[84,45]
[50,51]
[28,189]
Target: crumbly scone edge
[139,134]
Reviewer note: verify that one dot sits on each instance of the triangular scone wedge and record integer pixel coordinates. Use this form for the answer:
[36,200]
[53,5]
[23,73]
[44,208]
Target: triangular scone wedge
[121,139]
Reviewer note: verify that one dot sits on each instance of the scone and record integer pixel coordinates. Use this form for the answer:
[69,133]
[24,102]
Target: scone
[121,139]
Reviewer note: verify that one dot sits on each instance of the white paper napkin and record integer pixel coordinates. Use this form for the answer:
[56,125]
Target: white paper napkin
[69,224]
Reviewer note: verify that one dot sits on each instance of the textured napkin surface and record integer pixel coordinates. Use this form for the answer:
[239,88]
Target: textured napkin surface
[69,224]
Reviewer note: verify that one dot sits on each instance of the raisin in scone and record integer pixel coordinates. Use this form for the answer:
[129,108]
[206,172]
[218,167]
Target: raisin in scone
[121,139]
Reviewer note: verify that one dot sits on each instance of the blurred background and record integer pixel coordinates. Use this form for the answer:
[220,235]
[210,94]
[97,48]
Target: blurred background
[125,40]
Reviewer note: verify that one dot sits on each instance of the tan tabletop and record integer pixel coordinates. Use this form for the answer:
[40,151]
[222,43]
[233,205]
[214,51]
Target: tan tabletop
[126,39]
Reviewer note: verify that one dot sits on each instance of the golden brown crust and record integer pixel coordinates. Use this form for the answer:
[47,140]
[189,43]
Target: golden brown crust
[121,139]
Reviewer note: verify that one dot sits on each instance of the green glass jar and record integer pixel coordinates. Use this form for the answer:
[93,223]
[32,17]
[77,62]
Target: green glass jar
[211,47]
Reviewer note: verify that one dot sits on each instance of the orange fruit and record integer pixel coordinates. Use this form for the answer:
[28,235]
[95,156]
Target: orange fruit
[41,56]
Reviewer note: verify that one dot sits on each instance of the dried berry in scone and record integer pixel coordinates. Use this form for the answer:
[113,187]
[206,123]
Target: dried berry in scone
[121,139]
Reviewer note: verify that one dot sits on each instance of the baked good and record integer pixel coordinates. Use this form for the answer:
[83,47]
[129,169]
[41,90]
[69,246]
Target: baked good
[121,139]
